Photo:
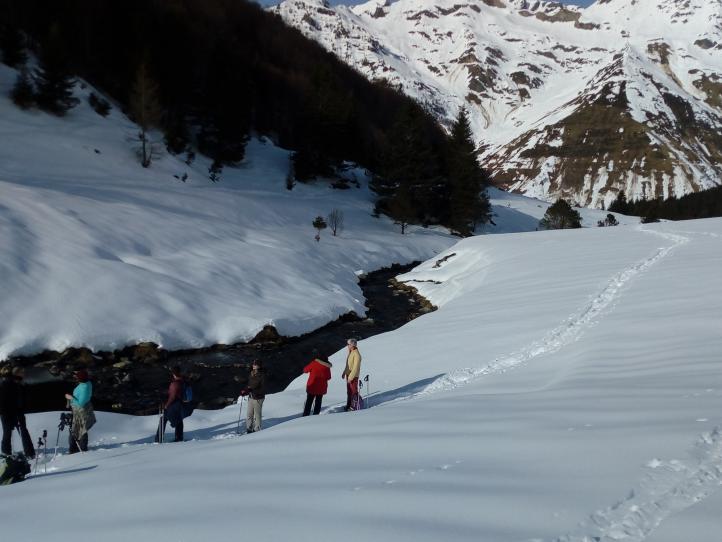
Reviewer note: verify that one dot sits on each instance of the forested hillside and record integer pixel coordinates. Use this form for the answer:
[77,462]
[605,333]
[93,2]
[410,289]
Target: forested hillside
[209,73]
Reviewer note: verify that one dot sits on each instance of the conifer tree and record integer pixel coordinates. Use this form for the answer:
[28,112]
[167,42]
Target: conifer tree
[469,204]
[23,93]
[411,186]
[145,110]
[12,46]
[561,216]
[53,79]
[620,204]
[320,224]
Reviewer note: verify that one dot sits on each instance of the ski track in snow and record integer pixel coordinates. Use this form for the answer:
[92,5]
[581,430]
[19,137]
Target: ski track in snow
[668,488]
[566,333]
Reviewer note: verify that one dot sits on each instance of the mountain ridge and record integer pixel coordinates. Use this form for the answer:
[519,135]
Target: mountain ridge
[529,72]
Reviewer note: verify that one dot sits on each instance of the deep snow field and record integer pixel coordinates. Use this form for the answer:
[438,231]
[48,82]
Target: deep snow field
[567,389]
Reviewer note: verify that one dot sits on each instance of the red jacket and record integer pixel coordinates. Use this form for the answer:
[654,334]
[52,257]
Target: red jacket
[319,375]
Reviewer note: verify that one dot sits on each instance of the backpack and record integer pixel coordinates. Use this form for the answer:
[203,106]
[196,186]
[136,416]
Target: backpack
[187,405]
[187,392]
[13,468]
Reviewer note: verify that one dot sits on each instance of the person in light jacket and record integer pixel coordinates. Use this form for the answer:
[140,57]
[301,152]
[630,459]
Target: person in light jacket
[83,413]
[351,374]
[319,373]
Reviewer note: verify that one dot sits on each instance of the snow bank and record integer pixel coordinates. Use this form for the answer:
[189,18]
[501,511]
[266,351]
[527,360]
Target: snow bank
[96,251]
[567,388]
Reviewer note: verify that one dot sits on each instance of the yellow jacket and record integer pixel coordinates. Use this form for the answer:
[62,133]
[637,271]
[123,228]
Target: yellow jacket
[353,365]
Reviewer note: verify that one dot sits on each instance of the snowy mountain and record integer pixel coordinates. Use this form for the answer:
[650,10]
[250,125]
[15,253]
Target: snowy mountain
[577,102]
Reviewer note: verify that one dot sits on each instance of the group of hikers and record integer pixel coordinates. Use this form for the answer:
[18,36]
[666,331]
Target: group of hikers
[177,405]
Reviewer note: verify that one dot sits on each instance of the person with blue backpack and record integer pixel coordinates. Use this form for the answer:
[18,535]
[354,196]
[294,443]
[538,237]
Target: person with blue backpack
[173,410]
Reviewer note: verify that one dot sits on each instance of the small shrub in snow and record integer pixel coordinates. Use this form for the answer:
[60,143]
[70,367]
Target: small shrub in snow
[214,172]
[561,216]
[610,220]
[99,105]
[320,224]
[650,218]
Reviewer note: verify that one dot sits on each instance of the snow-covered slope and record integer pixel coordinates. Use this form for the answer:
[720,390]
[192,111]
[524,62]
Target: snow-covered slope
[96,251]
[568,389]
[578,102]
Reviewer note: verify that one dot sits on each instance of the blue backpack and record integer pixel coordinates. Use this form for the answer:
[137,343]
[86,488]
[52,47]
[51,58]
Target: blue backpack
[187,400]
[187,392]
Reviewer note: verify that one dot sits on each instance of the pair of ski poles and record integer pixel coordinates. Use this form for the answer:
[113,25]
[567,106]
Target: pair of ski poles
[240,414]
[42,443]
[161,424]
[367,404]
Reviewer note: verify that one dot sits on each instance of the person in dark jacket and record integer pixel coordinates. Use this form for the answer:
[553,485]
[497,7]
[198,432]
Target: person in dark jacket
[256,390]
[173,408]
[319,373]
[12,411]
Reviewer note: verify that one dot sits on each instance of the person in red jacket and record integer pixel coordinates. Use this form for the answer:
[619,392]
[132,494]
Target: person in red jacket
[319,373]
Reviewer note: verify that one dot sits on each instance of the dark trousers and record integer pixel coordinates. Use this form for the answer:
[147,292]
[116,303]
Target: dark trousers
[178,430]
[10,423]
[316,400]
[77,445]
[351,392]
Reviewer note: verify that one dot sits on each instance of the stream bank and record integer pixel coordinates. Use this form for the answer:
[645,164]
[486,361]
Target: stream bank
[134,380]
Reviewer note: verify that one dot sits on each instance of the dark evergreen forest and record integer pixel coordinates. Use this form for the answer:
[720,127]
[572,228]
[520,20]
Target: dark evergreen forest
[220,70]
[704,204]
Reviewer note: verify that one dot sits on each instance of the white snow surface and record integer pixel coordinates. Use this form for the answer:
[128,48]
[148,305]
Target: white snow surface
[96,251]
[567,389]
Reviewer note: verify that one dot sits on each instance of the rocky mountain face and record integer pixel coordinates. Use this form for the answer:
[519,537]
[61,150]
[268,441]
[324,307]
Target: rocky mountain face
[565,101]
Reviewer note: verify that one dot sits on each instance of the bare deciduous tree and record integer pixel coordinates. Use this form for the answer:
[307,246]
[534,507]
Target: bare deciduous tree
[145,110]
[335,221]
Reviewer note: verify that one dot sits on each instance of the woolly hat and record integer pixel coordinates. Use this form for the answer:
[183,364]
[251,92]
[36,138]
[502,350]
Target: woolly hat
[81,375]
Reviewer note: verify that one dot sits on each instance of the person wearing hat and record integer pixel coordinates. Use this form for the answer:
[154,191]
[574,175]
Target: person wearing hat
[83,413]
[12,410]
[351,373]
[319,373]
[173,408]
[256,390]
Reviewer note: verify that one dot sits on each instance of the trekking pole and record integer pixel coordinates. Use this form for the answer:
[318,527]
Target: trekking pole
[37,453]
[368,391]
[61,425]
[161,428]
[37,456]
[45,451]
[359,399]
[240,414]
